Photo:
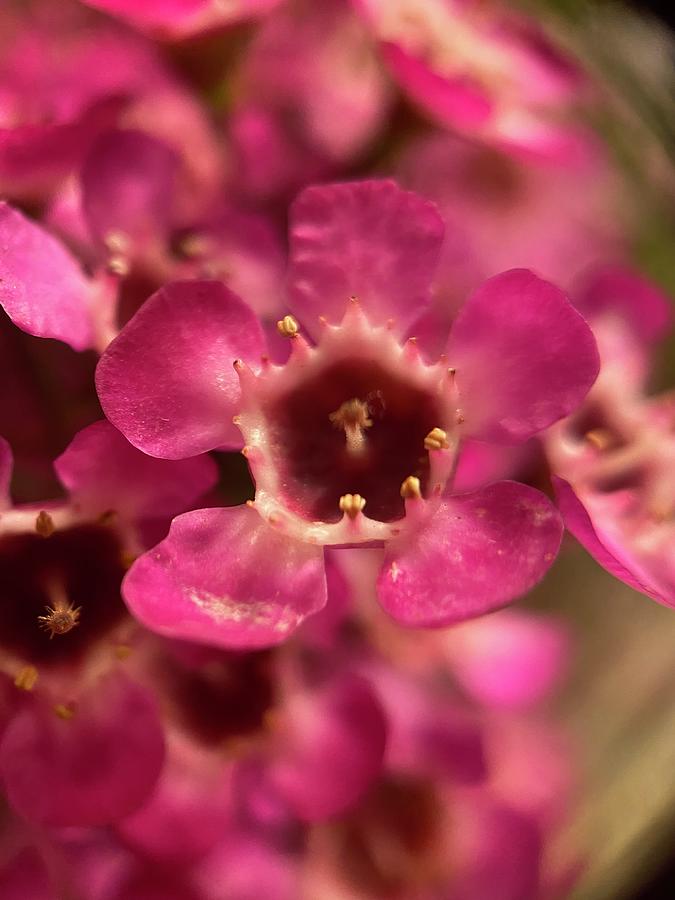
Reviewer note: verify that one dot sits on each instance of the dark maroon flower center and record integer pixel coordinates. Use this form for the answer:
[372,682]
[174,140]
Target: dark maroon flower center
[59,594]
[392,841]
[225,699]
[353,429]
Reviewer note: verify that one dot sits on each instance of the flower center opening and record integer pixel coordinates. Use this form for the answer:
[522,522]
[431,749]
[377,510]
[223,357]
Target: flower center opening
[354,428]
[60,594]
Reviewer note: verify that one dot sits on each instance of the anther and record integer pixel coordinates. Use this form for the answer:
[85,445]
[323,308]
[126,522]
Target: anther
[60,619]
[117,242]
[44,524]
[118,265]
[352,504]
[26,678]
[64,711]
[437,439]
[287,326]
[353,416]
[410,489]
[599,438]
[452,371]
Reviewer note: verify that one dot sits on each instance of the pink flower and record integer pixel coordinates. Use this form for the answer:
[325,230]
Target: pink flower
[176,19]
[317,58]
[613,457]
[82,741]
[482,70]
[68,77]
[65,78]
[342,426]
[558,218]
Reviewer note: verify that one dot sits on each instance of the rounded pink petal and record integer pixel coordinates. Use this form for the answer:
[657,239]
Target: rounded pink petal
[128,182]
[224,577]
[91,769]
[510,659]
[605,550]
[333,749]
[167,380]
[498,850]
[475,553]
[188,812]
[524,357]
[620,292]
[367,239]
[102,471]
[42,288]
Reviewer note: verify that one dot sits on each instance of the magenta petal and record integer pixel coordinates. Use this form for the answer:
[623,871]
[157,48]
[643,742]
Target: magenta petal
[475,553]
[6,468]
[167,380]
[102,471]
[620,292]
[128,185]
[366,239]
[42,288]
[604,550]
[524,357]
[224,577]
[91,769]
[509,660]
[333,750]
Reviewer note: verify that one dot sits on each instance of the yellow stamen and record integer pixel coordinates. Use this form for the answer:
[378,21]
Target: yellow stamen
[599,438]
[410,489]
[44,524]
[64,712]
[26,678]
[352,504]
[437,439]
[287,326]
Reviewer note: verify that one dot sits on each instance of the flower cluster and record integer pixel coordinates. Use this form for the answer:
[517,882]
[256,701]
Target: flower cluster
[320,324]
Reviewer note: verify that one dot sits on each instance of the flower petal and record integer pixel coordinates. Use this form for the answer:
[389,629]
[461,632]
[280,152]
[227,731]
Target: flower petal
[509,660]
[366,239]
[224,577]
[333,750]
[128,185]
[167,380]
[615,559]
[524,357]
[475,553]
[90,769]
[102,471]
[621,292]
[42,288]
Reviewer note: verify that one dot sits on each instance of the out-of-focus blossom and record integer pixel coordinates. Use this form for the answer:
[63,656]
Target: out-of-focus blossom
[310,96]
[176,19]
[82,743]
[69,77]
[345,423]
[559,219]
[483,70]
[613,457]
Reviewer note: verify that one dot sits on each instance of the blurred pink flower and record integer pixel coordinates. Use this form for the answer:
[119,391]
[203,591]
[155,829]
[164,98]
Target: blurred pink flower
[483,70]
[613,457]
[82,742]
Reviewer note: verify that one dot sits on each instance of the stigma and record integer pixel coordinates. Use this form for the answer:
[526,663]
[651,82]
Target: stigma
[353,416]
[60,618]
